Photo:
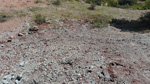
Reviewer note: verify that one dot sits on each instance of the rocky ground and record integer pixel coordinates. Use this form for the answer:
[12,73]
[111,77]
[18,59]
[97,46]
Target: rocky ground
[70,52]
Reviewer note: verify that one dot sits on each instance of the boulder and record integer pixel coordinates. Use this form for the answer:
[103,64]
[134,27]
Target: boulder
[34,28]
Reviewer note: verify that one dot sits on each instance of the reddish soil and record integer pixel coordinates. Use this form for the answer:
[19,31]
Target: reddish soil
[11,24]
[70,52]
[16,3]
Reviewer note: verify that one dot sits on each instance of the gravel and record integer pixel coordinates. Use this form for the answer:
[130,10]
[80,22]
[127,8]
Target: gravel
[75,54]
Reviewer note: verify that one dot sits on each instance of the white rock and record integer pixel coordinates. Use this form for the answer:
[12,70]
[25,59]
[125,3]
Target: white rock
[91,67]
[7,77]
[21,63]
[20,34]
[5,82]
[16,82]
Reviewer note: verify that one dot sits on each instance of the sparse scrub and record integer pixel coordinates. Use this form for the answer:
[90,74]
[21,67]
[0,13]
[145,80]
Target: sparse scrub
[92,7]
[39,19]
[145,20]
[57,2]
[99,21]
[124,2]
[4,17]
[97,2]
[147,5]
[140,25]
[134,4]
[38,1]
[112,3]
[21,13]
[48,2]
[33,9]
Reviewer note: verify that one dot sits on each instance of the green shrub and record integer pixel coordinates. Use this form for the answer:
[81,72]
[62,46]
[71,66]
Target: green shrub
[39,19]
[124,2]
[48,2]
[112,3]
[99,21]
[77,0]
[92,7]
[4,17]
[38,1]
[134,4]
[140,25]
[57,2]
[34,9]
[145,19]
[136,7]
[147,5]
[97,2]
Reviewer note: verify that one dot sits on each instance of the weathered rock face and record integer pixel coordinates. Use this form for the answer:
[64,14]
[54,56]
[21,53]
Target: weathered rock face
[75,54]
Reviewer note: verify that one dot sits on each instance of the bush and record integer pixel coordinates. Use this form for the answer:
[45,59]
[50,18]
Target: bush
[113,3]
[99,21]
[38,1]
[147,5]
[145,19]
[134,4]
[97,2]
[137,6]
[124,2]
[140,25]
[57,2]
[34,9]
[39,19]
[92,7]
[48,2]
[4,17]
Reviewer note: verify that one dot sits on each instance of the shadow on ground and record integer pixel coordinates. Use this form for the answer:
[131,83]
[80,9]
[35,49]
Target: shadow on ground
[140,25]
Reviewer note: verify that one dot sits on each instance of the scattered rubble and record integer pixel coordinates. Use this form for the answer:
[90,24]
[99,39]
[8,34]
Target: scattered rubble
[75,54]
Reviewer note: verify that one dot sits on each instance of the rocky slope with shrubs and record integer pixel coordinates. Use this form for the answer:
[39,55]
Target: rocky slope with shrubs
[71,51]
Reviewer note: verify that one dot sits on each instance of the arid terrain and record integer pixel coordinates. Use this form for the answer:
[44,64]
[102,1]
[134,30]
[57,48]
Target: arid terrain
[16,3]
[69,51]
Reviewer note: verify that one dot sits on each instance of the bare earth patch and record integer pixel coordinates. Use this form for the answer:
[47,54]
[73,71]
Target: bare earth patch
[11,27]
[16,3]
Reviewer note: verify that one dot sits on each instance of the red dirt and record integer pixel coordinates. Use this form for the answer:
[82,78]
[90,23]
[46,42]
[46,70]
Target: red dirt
[11,24]
[16,3]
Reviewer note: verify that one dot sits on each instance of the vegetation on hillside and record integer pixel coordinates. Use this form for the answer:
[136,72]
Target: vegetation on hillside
[4,17]
[139,25]
[98,15]
[134,4]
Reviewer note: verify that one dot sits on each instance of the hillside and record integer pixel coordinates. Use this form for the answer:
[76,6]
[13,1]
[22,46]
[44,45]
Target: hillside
[65,48]
[16,3]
